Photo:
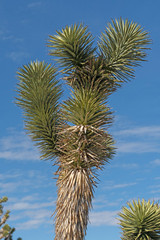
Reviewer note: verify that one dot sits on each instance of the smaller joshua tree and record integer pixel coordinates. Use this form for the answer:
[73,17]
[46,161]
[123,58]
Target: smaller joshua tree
[140,221]
[5,230]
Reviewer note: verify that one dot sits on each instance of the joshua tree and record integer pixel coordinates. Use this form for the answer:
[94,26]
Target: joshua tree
[140,221]
[5,230]
[75,132]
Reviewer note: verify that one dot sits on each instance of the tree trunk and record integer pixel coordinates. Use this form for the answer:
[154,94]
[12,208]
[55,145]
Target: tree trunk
[75,192]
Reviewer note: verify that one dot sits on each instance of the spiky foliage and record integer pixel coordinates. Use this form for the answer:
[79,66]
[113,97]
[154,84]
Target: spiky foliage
[72,45]
[77,131]
[140,220]
[92,75]
[122,45]
[38,95]
[5,229]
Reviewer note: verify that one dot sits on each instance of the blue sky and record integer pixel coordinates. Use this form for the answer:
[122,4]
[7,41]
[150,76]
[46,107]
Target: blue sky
[134,171]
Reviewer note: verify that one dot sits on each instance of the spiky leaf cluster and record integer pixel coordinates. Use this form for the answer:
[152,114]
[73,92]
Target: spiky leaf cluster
[38,95]
[73,46]
[140,220]
[93,76]
[123,46]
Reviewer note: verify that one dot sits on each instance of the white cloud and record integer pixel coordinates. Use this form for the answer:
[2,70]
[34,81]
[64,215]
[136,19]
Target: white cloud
[24,205]
[37,218]
[157,178]
[7,35]
[107,218]
[138,147]
[18,146]
[156,191]
[143,139]
[8,187]
[155,187]
[18,185]
[29,181]
[34,4]
[31,224]
[4,35]
[122,185]
[30,212]
[151,131]
[10,176]
[156,162]
[101,202]
[23,155]
[32,219]
[18,56]
[125,165]
[29,198]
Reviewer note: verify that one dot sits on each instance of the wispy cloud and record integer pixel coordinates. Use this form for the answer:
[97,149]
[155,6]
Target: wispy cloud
[10,176]
[37,218]
[18,146]
[156,191]
[157,178]
[155,188]
[25,205]
[29,181]
[122,185]
[151,131]
[8,187]
[34,4]
[125,165]
[107,218]
[23,185]
[31,214]
[142,139]
[156,162]
[101,202]
[29,208]
[18,56]
[138,146]
[6,35]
